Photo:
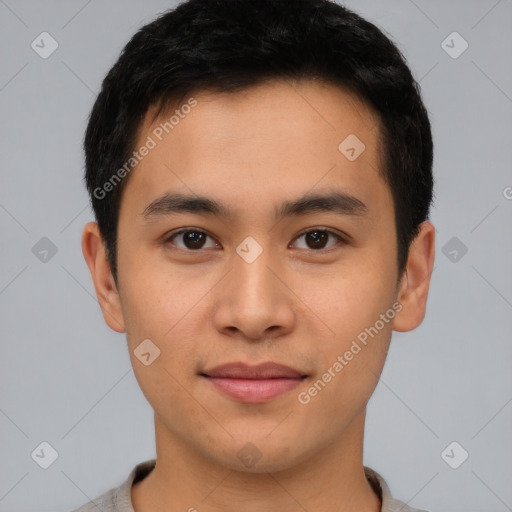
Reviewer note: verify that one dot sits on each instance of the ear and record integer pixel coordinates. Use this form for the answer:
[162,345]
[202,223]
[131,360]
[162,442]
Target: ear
[95,255]
[415,282]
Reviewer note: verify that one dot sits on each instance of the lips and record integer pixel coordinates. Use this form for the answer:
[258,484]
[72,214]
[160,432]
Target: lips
[254,384]
[261,371]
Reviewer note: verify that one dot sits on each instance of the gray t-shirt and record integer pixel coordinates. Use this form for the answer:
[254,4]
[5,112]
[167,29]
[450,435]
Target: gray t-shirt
[118,499]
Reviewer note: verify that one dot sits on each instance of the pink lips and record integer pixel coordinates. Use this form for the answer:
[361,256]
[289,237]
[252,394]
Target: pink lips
[253,384]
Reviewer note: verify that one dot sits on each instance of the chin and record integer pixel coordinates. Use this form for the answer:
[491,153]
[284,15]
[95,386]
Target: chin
[260,456]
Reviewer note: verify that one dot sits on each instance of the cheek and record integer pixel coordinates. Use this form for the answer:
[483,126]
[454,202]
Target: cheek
[349,299]
[351,304]
[348,369]
[162,353]
[152,304]
[166,390]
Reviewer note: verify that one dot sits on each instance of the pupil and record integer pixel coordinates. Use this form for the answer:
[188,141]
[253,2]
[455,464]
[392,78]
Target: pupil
[192,238]
[315,236]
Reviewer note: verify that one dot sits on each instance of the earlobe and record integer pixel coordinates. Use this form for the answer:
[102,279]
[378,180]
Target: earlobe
[415,283]
[95,256]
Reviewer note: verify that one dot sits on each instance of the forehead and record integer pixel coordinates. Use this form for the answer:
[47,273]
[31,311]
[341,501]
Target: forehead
[297,110]
[275,138]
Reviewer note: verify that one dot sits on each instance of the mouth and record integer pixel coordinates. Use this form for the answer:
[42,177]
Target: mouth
[253,384]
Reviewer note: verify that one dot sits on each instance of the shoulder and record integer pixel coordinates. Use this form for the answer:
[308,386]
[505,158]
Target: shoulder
[118,499]
[105,503]
[389,504]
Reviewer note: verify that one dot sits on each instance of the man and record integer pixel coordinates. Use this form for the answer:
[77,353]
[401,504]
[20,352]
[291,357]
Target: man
[261,176]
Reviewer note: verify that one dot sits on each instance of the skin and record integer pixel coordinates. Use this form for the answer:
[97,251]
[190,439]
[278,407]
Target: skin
[294,304]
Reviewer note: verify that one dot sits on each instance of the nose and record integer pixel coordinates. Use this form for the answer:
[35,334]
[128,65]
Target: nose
[254,301]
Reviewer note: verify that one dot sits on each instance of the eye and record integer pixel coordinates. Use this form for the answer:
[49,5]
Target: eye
[193,239]
[317,238]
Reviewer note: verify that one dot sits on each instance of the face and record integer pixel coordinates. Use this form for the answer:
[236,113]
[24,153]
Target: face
[314,288]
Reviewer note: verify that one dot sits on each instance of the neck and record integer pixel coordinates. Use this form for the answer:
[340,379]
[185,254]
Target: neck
[183,480]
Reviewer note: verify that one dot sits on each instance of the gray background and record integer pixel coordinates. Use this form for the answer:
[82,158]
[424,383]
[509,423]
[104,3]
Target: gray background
[66,378]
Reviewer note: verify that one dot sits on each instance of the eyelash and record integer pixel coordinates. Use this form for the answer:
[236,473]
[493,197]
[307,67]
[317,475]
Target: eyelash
[341,239]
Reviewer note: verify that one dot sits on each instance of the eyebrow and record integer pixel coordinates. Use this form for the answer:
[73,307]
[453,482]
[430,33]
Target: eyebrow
[337,202]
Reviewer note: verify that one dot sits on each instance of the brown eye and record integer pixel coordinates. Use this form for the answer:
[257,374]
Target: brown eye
[317,239]
[191,239]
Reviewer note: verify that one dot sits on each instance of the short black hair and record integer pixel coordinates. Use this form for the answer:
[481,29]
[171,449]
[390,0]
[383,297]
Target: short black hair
[231,45]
